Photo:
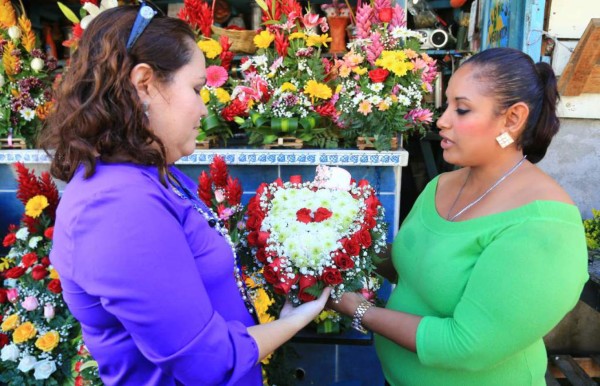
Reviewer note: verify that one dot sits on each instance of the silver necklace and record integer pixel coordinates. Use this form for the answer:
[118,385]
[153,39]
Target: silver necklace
[212,219]
[502,178]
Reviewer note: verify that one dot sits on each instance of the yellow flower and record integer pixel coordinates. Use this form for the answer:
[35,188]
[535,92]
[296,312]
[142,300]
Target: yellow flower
[10,323]
[394,98]
[264,39]
[359,70]
[297,35]
[287,86]
[261,304]
[48,341]
[222,95]
[53,274]
[317,90]
[36,205]
[383,106]
[345,71]
[353,59]
[318,40]
[364,107]
[5,263]
[394,61]
[338,89]
[205,94]
[210,47]
[24,332]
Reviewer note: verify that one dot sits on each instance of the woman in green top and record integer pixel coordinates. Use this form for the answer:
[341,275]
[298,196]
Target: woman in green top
[492,255]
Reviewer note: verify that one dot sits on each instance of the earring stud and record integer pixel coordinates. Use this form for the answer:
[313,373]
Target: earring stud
[504,140]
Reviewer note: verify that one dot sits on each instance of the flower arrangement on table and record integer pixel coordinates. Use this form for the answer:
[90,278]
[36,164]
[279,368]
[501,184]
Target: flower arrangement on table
[285,90]
[89,10]
[217,93]
[308,235]
[383,78]
[39,338]
[25,81]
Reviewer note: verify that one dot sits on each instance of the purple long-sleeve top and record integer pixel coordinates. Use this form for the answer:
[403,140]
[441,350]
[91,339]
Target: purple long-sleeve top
[151,282]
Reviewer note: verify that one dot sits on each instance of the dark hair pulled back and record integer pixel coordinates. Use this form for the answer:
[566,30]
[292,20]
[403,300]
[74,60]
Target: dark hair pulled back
[511,76]
[97,109]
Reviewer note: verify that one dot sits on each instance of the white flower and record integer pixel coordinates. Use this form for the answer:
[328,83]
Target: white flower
[49,311]
[93,10]
[37,64]
[22,234]
[14,32]
[33,242]
[27,363]
[1,80]
[27,114]
[43,369]
[10,353]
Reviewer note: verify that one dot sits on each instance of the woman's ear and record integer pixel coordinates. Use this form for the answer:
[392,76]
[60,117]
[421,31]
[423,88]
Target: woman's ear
[516,119]
[141,77]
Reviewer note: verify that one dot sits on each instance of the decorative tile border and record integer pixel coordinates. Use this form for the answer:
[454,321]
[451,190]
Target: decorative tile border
[339,157]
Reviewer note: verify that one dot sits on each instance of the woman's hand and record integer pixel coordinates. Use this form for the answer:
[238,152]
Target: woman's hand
[307,311]
[347,304]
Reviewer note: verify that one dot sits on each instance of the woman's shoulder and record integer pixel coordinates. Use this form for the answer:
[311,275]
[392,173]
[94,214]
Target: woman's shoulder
[536,185]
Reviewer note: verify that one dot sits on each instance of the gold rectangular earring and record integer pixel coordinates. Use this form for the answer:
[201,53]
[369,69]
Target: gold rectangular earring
[504,140]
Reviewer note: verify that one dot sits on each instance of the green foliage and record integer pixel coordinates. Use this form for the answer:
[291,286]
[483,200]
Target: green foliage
[592,230]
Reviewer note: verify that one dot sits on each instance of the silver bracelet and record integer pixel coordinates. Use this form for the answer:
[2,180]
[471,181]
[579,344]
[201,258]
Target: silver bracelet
[361,310]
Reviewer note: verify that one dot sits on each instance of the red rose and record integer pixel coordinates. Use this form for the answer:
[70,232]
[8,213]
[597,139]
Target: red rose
[284,285]
[39,272]
[3,340]
[255,219]
[296,179]
[54,286]
[378,75]
[303,215]
[3,297]
[369,222]
[9,240]
[304,283]
[45,261]
[343,261]
[364,238]
[261,255]
[261,241]
[322,214]
[385,14]
[29,259]
[351,246]
[271,271]
[261,188]
[278,182]
[14,273]
[252,238]
[372,204]
[49,233]
[332,276]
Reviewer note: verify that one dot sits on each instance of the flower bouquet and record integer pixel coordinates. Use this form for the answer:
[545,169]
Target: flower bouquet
[285,91]
[89,10]
[39,336]
[308,235]
[383,78]
[25,81]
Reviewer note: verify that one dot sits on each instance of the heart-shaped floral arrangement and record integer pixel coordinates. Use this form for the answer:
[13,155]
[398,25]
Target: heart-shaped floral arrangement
[308,235]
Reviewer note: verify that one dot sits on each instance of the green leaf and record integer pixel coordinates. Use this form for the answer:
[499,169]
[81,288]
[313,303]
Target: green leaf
[88,364]
[263,5]
[68,13]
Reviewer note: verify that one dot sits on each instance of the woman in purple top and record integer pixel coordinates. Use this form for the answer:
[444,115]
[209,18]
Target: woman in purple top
[144,266]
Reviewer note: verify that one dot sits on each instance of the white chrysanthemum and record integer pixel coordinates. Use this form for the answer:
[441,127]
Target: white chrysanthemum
[27,114]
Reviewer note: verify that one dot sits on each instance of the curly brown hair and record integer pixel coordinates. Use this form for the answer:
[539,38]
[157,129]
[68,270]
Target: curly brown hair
[97,110]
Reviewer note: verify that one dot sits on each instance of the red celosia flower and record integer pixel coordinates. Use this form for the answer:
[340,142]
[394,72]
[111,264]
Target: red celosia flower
[218,172]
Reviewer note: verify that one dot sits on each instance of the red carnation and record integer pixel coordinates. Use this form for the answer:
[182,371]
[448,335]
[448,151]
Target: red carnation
[378,75]
[3,340]
[218,171]
[29,259]
[385,14]
[14,273]
[304,283]
[343,261]
[9,240]
[332,276]
[49,233]
[351,246]
[322,214]
[303,215]
[39,272]
[296,179]
[54,286]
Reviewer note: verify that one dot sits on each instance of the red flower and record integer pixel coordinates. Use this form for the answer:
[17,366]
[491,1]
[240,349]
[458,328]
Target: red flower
[261,255]
[327,110]
[378,75]
[205,191]
[255,219]
[79,381]
[271,271]
[236,108]
[49,233]
[351,246]
[45,261]
[218,171]
[39,272]
[9,240]
[281,43]
[198,15]
[284,285]
[3,297]
[29,259]
[364,238]
[303,215]
[385,14]
[304,283]
[332,276]
[78,366]
[369,222]
[296,179]
[322,214]
[234,191]
[3,340]
[362,183]
[343,261]
[54,286]
[14,273]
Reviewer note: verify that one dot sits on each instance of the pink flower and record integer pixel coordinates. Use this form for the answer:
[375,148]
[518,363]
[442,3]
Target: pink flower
[30,303]
[419,115]
[216,76]
[48,311]
[310,20]
[219,196]
[12,295]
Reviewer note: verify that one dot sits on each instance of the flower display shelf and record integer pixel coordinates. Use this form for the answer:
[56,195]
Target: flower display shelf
[16,143]
[285,142]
